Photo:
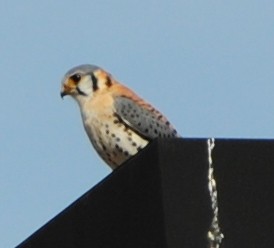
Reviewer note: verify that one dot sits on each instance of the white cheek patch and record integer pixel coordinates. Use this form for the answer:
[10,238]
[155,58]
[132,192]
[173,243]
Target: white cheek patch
[85,85]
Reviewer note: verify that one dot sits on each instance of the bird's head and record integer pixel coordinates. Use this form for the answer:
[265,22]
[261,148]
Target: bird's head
[84,80]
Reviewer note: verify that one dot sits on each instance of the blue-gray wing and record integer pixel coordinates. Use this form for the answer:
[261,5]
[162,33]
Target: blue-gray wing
[143,119]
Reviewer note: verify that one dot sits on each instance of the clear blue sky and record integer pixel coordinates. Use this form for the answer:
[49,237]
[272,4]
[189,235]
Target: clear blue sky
[208,65]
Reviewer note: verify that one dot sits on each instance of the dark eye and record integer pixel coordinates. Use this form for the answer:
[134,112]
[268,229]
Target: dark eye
[76,78]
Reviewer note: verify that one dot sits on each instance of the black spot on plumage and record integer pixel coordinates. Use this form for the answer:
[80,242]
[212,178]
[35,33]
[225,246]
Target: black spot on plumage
[146,130]
[115,121]
[111,161]
[113,135]
[104,148]
[94,82]
[118,139]
[139,148]
[126,153]
[118,148]
[108,82]
[155,131]
[139,124]
[128,127]
[159,117]
[107,131]
[167,123]
[132,115]
[134,144]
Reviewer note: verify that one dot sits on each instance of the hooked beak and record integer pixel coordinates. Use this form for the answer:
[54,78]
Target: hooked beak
[66,89]
[62,94]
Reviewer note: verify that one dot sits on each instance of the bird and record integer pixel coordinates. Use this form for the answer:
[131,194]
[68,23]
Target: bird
[117,121]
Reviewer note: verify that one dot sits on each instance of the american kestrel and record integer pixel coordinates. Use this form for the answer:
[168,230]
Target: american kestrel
[117,121]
